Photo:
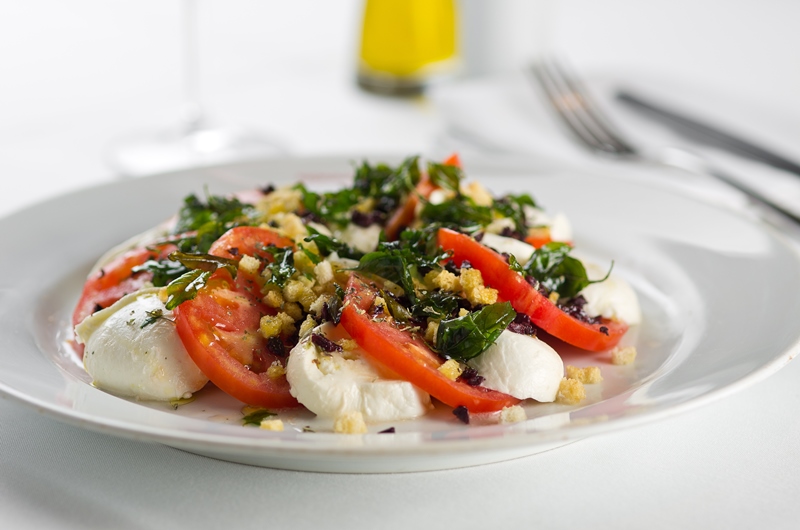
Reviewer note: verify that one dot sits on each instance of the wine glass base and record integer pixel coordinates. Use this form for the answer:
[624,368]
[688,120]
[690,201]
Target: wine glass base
[143,154]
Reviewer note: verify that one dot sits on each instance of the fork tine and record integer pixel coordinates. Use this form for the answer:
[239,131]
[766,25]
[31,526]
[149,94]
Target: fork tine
[574,105]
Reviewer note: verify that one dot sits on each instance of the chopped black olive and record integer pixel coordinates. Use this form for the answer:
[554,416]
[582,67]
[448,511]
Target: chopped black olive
[470,376]
[269,188]
[522,324]
[276,347]
[234,251]
[390,430]
[604,330]
[461,413]
[324,343]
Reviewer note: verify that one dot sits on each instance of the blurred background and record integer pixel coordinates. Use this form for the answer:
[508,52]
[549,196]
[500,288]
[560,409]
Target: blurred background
[77,74]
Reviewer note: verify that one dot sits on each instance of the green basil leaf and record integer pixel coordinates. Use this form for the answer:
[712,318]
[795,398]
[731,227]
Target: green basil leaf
[466,337]
[255,417]
[557,271]
[446,177]
[185,287]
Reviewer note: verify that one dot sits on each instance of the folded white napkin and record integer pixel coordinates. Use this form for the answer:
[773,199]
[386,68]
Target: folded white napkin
[507,116]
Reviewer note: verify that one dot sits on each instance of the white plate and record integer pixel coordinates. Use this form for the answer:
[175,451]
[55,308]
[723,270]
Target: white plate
[713,287]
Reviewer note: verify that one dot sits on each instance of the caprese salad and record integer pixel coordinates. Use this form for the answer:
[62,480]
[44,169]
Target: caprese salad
[362,305]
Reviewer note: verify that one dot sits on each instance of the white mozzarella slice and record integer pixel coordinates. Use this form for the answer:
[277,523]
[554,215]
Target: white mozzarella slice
[519,249]
[560,228]
[130,360]
[522,366]
[333,384]
[613,298]
[361,238]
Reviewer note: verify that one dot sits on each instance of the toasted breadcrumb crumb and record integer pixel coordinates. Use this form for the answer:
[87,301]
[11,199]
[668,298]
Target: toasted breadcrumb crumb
[588,376]
[249,264]
[269,424]
[622,356]
[324,272]
[276,370]
[513,414]
[478,193]
[431,331]
[301,291]
[350,423]
[273,326]
[570,392]
[273,297]
[451,369]
[474,290]
[554,296]
[463,312]
[284,199]
[294,310]
[445,280]
[308,324]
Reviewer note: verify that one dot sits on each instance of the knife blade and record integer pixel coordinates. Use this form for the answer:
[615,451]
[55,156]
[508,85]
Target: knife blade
[704,133]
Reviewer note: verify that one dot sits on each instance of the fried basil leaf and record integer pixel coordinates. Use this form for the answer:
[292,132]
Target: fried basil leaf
[557,271]
[466,337]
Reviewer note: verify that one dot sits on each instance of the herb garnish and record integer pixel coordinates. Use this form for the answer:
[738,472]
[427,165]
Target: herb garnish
[255,417]
[466,337]
[200,267]
[557,271]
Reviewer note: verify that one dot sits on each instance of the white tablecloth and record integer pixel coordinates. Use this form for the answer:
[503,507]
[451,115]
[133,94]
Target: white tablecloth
[76,74]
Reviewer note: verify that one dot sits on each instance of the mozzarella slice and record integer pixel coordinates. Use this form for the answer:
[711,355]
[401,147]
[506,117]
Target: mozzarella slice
[519,249]
[613,298]
[361,238]
[522,366]
[130,360]
[333,384]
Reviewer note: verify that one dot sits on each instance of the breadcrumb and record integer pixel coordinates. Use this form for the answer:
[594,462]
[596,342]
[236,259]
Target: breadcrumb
[588,376]
[283,199]
[431,331]
[478,193]
[622,356]
[269,424]
[513,414]
[249,264]
[324,272]
[301,291]
[308,324]
[276,370]
[570,392]
[451,369]
[294,310]
[273,297]
[350,423]
[474,290]
[273,326]
[446,281]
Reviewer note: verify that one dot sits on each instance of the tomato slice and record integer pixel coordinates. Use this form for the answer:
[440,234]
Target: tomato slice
[404,215]
[220,327]
[408,356]
[524,298]
[250,240]
[453,160]
[115,280]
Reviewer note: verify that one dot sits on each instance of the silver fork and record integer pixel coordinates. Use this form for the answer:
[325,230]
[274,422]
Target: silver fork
[574,105]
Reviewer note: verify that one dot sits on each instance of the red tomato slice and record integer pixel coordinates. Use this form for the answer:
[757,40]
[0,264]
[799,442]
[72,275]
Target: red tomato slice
[408,356]
[220,327]
[250,240]
[404,215]
[524,298]
[453,160]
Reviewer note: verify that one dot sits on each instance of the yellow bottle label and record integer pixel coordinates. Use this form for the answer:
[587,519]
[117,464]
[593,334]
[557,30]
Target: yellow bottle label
[403,37]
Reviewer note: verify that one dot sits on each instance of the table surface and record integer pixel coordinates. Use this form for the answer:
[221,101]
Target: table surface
[78,74]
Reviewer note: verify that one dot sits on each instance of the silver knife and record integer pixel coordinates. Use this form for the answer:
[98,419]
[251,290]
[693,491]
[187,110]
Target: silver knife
[706,134]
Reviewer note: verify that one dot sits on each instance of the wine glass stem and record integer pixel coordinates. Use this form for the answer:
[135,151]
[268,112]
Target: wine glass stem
[193,112]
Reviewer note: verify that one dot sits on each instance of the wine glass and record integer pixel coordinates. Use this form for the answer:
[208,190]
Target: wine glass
[194,141]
